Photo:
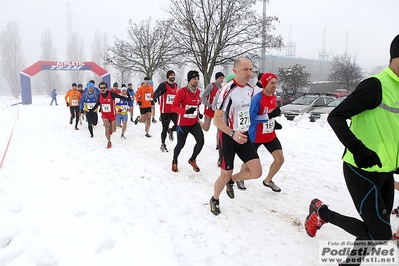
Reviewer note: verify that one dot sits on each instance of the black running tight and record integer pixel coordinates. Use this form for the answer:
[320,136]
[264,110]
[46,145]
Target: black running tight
[165,119]
[373,194]
[75,114]
[92,120]
[182,133]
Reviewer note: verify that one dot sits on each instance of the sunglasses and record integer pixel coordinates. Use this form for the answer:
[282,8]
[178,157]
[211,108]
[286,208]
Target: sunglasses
[103,88]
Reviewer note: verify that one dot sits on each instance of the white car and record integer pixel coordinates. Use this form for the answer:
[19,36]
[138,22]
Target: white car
[305,104]
[316,114]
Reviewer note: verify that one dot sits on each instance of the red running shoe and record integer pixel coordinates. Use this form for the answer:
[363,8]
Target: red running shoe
[109,145]
[194,165]
[313,221]
[174,167]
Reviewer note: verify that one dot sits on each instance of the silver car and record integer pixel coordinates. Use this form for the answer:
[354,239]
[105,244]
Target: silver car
[316,114]
[305,104]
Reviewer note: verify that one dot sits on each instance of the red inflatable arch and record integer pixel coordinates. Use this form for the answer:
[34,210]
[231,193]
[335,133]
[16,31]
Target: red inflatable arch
[28,73]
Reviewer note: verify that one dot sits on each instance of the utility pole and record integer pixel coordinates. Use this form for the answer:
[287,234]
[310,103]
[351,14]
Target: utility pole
[263,60]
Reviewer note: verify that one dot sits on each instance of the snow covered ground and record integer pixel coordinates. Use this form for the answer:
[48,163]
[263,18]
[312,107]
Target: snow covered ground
[67,200]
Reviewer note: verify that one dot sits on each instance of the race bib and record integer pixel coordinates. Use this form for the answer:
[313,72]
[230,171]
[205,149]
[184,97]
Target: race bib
[147,96]
[243,120]
[106,108]
[75,102]
[170,98]
[268,126]
[193,115]
[124,108]
[90,105]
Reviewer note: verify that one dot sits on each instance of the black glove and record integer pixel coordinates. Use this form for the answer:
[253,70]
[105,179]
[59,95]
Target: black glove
[396,211]
[276,112]
[277,125]
[191,110]
[139,103]
[396,171]
[67,104]
[200,116]
[363,156]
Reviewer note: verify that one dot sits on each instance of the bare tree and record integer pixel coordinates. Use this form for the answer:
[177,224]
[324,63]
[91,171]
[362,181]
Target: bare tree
[100,48]
[99,51]
[51,79]
[75,53]
[12,60]
[345,71]
[148,49]
[214,33]
[294,76]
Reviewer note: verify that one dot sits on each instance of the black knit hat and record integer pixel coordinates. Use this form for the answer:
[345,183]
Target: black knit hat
[394,50]
[170,72]
[192,74]
[218,75]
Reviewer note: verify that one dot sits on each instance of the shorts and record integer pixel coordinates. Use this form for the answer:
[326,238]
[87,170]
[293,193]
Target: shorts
[110,116]
[228,148]
[121,118]
[209,112]
[145,110]
[270,146]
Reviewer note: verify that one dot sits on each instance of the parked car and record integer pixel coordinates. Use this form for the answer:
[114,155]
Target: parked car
[305,104]
[287,95]
[316,114]
[340,93]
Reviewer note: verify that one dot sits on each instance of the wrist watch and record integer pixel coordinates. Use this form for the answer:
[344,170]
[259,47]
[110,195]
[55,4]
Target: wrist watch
[231,133]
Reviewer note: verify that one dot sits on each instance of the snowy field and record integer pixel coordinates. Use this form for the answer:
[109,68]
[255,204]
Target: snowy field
[67,200]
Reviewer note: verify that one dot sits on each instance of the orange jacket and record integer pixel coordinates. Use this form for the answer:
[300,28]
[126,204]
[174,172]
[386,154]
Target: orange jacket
[145,94]
[73,97]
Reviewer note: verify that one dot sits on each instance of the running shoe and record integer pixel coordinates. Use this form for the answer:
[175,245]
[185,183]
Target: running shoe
[230,189]
[271,185]
[170,134]
[174,167]
[241,185]
[123,136]
[76,128]
[136,120]
[193,163]
[153,120]
[147,135]
[214,206]
[109,145]
[163,148]
[313,221]
[70,121]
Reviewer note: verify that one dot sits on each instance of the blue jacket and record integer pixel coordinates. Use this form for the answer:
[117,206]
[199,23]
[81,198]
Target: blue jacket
[53,94]
[88,100]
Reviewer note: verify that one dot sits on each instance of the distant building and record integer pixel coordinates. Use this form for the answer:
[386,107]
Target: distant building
[319,69]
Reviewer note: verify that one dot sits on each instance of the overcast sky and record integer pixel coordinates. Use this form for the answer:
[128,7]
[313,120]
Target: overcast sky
[369,24]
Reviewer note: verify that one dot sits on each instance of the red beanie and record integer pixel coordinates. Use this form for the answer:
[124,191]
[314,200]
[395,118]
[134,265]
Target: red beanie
[266,77]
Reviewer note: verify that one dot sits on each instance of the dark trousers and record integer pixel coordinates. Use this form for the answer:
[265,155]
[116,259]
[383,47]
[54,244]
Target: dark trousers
[165,120]
[92,120]
[75,114]
[373,194]
[182,133]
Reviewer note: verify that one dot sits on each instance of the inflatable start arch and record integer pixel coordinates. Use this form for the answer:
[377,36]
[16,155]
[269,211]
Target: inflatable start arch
[28,73]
